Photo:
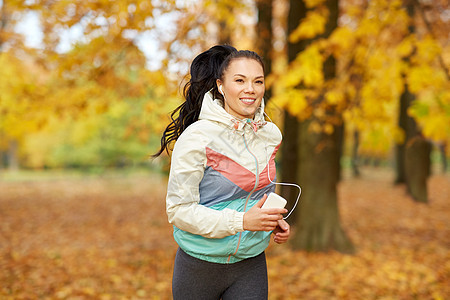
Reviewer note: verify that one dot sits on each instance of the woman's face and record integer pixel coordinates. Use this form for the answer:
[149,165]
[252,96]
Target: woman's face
[243,87]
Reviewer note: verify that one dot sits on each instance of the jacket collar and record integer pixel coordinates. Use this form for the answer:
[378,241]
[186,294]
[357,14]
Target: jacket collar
[212,109]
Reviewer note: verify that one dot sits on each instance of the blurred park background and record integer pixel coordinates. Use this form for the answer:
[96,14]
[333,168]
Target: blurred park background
[359,88]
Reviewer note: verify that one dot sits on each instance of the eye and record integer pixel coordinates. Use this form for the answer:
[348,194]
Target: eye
[259,82]
[239,80]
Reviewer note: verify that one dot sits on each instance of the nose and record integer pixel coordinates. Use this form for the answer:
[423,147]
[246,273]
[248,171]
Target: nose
[249,88]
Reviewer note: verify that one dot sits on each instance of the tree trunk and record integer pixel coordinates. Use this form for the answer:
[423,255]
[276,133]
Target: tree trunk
[265,37]
[224,34]
[289,163]
[319,221]
[417,168]
[355,156]
[289,147]
[340,130]
[442,151]
[224,37]
[318,171]
[416,151]
[416,157]
[12,157]
[3,162]
[400,148]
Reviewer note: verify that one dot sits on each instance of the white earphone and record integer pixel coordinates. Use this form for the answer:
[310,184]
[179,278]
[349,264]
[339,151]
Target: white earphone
[220,89]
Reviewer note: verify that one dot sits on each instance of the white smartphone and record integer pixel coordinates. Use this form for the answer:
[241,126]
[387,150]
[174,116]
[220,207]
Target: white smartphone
[274,201]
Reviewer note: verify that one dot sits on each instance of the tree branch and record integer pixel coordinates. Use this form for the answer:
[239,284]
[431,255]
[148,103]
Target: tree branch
[430,30]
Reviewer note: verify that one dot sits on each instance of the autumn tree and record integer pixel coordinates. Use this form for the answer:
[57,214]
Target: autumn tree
[105,66]
[311,155]
[370,51]
[413,155]
[22,92]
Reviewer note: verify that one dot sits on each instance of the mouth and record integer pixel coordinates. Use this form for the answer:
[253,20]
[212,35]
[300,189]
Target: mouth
[247,101]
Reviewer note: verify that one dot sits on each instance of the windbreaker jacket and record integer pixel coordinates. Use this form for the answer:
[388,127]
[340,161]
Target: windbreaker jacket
[220,168]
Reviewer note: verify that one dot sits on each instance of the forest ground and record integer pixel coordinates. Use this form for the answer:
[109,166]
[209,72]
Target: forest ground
[108,238]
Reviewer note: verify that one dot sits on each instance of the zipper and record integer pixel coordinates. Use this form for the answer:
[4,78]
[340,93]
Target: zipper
[249,195]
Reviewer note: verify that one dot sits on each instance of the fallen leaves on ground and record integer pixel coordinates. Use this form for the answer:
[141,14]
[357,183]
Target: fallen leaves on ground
[108,238]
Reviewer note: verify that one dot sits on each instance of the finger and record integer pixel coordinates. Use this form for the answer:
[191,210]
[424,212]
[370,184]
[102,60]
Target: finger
[275,211]
[283,234]
[279,240]
[272,225]
[274,218]
[283,224]
[261,202]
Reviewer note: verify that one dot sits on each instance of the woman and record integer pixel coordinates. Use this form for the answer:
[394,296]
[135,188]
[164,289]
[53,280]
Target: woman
[219,179]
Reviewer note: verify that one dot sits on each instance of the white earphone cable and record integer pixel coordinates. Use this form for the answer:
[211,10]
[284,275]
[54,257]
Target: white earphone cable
[283,183]
[268,168]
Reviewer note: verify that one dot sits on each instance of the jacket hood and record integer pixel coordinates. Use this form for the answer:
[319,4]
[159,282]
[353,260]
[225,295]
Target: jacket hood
[212,109]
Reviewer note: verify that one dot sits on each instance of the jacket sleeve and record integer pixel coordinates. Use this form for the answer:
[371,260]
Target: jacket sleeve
[183,197]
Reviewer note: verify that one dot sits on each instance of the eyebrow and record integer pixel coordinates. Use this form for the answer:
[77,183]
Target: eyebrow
[257,77]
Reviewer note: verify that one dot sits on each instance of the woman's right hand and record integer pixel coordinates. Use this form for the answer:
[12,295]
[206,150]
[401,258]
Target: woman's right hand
[259,219]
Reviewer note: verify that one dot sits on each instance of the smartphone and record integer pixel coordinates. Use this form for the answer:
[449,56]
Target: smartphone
[274,201]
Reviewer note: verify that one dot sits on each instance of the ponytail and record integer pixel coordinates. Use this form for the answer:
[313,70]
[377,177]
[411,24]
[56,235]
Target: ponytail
[205,69]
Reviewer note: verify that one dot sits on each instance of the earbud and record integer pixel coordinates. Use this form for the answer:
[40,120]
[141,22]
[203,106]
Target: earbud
[220,89]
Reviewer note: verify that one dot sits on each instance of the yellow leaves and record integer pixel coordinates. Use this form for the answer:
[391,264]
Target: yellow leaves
[20,97]
[377,140]
[64,293]
[376,110]
[318,127]
[313,3]
[421,51]
[360,56]
[427,50]
[311,26]
[86,246]
[342,40]
[369,27]
[377,60]
[436,127]
[393,260]
[300,83]
[307,68]
[430,85]
[432,111]
[293,100]
[406,46]
[408,276]
[423,77]
[334,97]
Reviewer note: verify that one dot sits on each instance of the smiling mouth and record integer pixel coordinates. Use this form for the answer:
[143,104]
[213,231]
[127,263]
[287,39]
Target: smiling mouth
[248,100]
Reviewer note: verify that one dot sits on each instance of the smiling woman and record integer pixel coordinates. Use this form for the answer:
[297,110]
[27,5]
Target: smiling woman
[242,87]
[219,179]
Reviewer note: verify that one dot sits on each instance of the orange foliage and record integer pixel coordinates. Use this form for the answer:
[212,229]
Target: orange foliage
[109,239]
[376,56]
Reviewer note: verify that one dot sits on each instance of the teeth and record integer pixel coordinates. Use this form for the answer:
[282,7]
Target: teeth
[248,100]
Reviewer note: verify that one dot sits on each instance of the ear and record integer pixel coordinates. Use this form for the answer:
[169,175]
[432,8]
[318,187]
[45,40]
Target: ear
[219,86]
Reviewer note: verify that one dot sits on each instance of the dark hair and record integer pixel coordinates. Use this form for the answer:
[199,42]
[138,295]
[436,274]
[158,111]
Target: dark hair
[206,68]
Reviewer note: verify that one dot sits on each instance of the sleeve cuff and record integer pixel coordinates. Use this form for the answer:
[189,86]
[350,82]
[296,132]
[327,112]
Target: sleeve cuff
[239,221]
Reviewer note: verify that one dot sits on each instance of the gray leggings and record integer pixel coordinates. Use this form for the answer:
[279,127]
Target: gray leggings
[201,280]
